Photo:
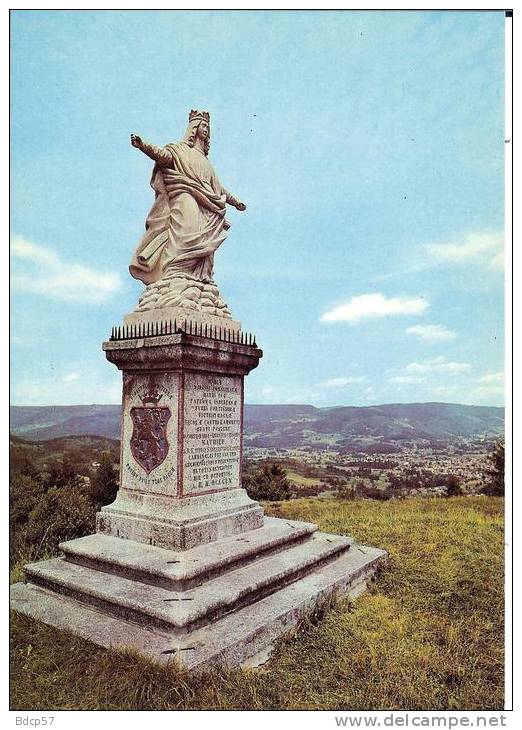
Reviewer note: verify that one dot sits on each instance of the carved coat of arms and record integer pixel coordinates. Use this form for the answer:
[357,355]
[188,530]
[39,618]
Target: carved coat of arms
[149,444]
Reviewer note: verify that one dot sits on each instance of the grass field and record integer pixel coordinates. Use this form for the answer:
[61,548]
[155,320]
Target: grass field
[297,478]
[428,634]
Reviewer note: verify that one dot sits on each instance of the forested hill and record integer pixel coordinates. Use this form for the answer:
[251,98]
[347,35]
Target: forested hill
[291,426]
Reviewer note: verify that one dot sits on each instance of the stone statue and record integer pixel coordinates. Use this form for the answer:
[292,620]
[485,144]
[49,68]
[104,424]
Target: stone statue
[185,225]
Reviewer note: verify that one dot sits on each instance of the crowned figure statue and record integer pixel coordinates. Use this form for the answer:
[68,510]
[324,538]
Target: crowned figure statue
[185,225]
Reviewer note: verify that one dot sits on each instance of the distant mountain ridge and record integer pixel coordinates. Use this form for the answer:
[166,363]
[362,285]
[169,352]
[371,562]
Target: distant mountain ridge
[291,426]
[40,423]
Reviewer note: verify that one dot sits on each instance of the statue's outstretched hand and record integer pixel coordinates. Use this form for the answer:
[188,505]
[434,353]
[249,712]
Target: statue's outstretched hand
[241,206]
[136,141]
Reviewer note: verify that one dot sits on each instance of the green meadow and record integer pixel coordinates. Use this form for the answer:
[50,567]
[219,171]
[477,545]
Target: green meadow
[428,634]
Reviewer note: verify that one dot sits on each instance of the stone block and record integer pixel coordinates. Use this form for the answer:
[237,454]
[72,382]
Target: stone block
[181,441]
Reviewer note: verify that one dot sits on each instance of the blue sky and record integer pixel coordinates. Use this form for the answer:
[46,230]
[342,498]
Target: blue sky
[368,147]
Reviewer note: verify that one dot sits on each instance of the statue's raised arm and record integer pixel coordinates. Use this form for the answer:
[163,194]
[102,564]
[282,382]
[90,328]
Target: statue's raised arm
[186,224]
[159,154]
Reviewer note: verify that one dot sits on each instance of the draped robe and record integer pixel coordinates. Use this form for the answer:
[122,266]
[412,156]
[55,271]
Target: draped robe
[186,223]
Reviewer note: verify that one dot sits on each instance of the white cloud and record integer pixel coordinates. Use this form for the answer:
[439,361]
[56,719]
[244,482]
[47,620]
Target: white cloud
[486,390]
[488,394]
[341,382]
[492,378]
[479,396]
[70,377]
[407,271]
[438,365]
[432,332]
[483,248]
[406,379]
[370,306]
[302,398]
[49,276]
[497,262]
[24,249]
[267,390]
[369,395]
[17,340]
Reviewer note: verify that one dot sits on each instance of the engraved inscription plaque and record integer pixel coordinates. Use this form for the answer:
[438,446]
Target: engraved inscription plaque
[212,433]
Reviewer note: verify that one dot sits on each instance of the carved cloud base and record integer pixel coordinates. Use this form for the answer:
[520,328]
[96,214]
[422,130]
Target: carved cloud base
[185,291]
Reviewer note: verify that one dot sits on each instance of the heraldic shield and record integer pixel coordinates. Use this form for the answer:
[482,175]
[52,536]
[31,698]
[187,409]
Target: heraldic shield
[149,443]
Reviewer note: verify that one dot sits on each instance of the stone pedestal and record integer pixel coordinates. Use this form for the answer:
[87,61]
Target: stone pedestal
[182,425]
[183,565]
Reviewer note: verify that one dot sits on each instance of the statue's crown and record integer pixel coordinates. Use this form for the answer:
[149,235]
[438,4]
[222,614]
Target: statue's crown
[195,114]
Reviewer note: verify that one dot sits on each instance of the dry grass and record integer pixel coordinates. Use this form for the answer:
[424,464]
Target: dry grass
[297,478]
[428,635]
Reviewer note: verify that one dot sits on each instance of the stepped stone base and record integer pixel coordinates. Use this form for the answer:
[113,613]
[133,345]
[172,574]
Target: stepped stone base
[223,602]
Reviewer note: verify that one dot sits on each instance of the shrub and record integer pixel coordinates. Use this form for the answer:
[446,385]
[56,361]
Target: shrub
[268,483]
[60,473]
[382,495]
[346,492]
[63,513]
[453,488]
[20,462]
[24,493]
[494,473]
[104,481]
[311,490]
